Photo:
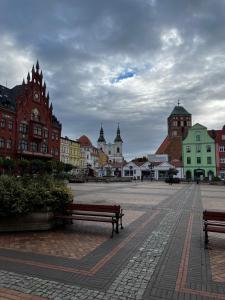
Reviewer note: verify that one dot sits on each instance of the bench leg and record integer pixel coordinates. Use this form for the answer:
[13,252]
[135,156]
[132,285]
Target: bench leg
[121,224]
[113,229]
[117,226]
[206,238]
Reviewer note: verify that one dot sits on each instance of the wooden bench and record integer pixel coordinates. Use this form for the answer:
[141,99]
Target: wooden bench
[94,212]
[214,221]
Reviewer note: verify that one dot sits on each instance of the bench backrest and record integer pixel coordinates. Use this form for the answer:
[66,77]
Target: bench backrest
[93,207]
[213,215]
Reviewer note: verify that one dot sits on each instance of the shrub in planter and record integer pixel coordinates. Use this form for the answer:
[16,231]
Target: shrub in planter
[27,194]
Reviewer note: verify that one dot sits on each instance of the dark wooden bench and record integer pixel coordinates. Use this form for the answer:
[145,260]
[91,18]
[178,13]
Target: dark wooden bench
[94,212]
[214,221]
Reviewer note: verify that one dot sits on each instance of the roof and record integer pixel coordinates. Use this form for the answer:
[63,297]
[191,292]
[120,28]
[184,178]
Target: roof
[8,96]
[172,147]
[163,146]
[179,110]
[84,141]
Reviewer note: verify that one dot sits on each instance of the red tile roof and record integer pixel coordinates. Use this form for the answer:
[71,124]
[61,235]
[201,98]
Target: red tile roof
[84,141]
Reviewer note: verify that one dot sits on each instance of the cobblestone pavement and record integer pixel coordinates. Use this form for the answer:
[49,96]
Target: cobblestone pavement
[159,255]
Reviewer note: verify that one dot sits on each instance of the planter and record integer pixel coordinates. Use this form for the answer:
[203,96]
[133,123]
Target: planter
[31,221]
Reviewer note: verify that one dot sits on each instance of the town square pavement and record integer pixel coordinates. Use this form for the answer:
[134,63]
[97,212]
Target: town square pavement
[158,255]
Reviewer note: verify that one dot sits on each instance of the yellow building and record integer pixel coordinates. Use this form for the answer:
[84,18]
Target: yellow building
[103,158]
[75,154]
[71,152]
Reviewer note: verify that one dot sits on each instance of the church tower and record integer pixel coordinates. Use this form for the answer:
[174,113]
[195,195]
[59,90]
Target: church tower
[178,122]
[101,140]
[118,142]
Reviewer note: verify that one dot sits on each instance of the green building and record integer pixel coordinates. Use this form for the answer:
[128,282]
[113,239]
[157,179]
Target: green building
[198,150]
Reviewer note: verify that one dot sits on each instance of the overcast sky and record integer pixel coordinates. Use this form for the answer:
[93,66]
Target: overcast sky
[125,61]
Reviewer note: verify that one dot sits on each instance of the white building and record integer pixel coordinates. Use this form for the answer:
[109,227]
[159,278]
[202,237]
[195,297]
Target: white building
[64,150]
[114,151]
[150,170]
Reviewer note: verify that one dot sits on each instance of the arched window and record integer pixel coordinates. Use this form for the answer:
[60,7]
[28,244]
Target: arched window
[118,150]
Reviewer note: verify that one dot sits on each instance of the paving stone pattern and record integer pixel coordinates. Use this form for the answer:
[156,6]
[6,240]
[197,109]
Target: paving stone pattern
[151,270]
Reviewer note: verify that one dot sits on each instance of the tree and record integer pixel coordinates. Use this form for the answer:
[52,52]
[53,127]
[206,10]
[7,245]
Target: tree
[24,166]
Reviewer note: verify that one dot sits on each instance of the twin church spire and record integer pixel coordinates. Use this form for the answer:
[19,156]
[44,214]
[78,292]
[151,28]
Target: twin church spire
[101,138]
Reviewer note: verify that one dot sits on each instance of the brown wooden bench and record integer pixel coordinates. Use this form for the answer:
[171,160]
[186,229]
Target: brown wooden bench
[94,212]
[214,221]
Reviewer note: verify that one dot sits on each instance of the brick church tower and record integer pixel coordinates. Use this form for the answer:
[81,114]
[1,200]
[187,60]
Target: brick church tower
[178,123]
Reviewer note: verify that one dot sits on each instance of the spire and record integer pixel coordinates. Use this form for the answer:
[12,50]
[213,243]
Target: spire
[48,96]
[23,82]
[33,69]
[28,76]
[101,136]
[41,74]
[118,137]
[37,65]
[178,102]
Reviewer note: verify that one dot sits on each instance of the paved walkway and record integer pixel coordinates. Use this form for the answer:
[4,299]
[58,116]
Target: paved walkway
[159,255]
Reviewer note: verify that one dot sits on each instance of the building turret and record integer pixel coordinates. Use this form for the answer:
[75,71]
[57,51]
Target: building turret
[118,137]
[101,138]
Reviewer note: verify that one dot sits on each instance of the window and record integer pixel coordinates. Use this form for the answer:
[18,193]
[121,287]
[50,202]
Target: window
[56,151]
[174,133]
[118,150]
[222,149]
[182,123]
[23,145]
[10,124]
[9,144]
[174,123]
[198,148]
[222,160]
[23,128]
[209,160]
[34,147]
[2,143]
[46,133]
[208,148]
[198,138]
[188,160]
[126,172]
[188,149]
[223,137]
[53,136]
[198,160]
[109,152]
[44,148]
[2,123]
[37,131]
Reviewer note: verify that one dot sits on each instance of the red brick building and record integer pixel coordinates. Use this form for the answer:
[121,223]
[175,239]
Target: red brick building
[178,123]
[28,128]
[219,136]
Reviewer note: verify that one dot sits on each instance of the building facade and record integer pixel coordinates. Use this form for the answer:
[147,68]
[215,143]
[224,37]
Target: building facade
[220,151]
[70,152]
[113,151]
[28,128]
[89,153]
[199,154]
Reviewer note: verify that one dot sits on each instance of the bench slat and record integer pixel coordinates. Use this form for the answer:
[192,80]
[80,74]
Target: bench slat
[215,229]
[93,207]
